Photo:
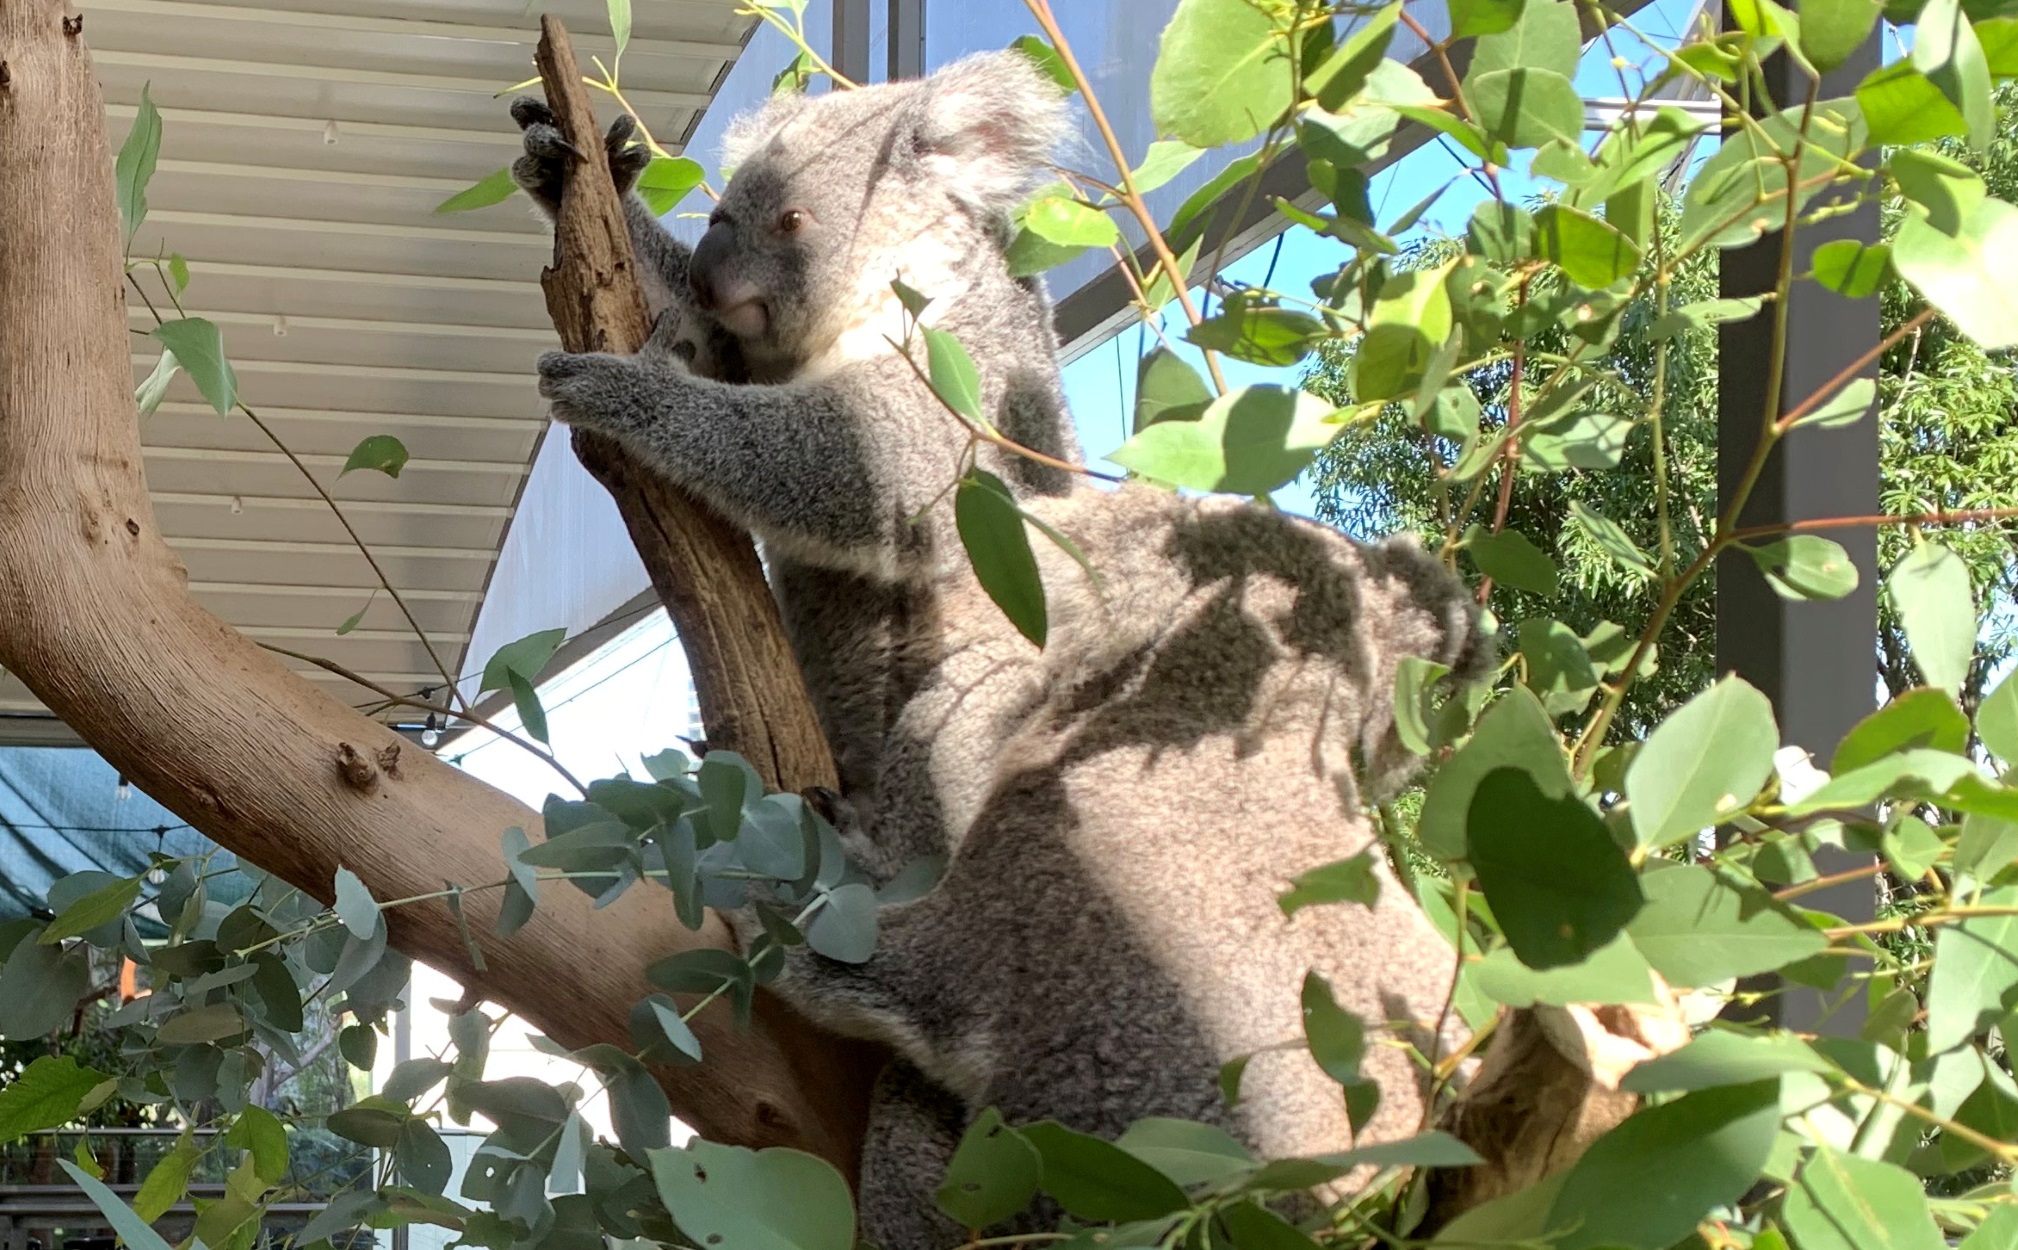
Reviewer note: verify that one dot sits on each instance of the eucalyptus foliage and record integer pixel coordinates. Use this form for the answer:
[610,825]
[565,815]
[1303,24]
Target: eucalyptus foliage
[1541,357]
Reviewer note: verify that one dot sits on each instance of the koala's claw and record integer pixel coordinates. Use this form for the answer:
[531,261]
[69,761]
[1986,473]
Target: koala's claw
[540,170]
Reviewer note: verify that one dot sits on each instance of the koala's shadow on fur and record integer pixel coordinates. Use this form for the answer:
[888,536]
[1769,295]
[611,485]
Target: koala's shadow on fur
[1206,677]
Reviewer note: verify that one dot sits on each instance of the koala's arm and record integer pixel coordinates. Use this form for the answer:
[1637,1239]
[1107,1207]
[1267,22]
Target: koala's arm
[795,463]
[541,173]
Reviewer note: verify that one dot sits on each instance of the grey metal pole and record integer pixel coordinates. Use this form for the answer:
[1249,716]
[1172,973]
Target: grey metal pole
[907,39]
[1816,661]
[850,54]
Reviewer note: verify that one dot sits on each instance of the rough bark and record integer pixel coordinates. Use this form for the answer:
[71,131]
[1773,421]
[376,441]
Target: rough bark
[96,618]
[705,569]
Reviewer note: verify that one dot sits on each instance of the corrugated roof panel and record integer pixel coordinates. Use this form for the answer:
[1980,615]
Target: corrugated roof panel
[305,146]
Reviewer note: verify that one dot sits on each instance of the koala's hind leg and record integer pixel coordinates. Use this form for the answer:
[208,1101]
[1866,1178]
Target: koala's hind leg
[914,1127]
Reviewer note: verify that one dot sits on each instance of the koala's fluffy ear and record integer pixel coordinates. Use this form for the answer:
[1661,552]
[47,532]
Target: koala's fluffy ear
[987,124]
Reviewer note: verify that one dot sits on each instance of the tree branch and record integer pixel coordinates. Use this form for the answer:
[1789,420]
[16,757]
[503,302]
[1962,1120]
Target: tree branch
[97,620]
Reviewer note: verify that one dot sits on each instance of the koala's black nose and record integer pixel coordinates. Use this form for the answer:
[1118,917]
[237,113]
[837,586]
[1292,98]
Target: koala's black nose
[705,270]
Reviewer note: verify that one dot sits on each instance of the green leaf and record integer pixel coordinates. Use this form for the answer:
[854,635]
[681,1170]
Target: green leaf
[524,657]
[666,180]
[492,188]
[1185,1151]
[1698,929]
[1804,566]
[620,26]
[1852,269]
[1975,977]
[1998,1231]
[106,903]
[1347,881]
[1846,407]
[39,988]
[1997,720]
[134,1231]
[1222,75]
[382,452]
[1344,73]
[1645,1184]
[1722,1058]
[1167,387]
[1614,973]
[1970,275]
[258,1131]
[1576,440]
[1842,1202]
[1833,30]
[168,1180]
[1930,591]
[1611,538]
[135,166]
[775,1199]
[991,529]
[954,378]
[1336,1037]
[153,389]
[1099,1181]
[1166,159]
[1547,36]
[674,1028]
[1247,442]
[1259,336]
[1048,60]
[1558,884]
[1918,718]
[1742,189]
[1902,106]
[1425,1150]
[178,271]
[1483,17]
[1946,50]
[844,929]
[1526,108]
[213,1023]
[1705,313]
[1591,251]
[1946,188]
[370,1122]
[1987,846]
[199,349]
[48,1093]
[1515,732]
[423,1157]
[1069,223]
[1703,764]
[993,1174]
[1510,558]
[355,905]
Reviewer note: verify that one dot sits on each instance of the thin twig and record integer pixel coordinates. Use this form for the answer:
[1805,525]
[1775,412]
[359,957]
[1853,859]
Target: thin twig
[401,700]
[1132,197]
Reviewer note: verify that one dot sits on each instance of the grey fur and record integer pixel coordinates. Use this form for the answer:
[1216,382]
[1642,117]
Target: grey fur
[1121,809]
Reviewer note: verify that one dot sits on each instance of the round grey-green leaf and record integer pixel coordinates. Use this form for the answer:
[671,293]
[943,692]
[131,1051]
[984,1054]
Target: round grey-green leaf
[1702,764]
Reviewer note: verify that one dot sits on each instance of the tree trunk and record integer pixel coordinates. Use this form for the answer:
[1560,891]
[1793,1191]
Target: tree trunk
[96,619]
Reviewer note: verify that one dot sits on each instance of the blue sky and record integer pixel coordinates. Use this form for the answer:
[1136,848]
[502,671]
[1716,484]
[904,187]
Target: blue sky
[1100,386]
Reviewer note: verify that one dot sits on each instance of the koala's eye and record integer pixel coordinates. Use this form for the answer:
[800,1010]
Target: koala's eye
[792,221]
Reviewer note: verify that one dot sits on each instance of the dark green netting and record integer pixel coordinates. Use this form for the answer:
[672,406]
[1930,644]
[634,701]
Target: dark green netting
[63,810]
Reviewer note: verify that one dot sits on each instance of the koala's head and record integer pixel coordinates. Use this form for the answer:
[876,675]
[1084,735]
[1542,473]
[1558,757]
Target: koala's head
[832,196]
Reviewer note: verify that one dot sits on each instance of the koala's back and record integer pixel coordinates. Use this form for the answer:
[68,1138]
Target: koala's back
[1107,934]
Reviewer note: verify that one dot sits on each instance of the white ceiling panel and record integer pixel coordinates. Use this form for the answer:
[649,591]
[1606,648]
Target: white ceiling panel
[305,147]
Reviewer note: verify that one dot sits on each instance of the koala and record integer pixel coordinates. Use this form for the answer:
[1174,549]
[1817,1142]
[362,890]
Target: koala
[1119,809]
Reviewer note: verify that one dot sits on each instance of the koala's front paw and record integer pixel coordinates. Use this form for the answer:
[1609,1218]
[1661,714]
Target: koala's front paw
[596,391]
[541,172]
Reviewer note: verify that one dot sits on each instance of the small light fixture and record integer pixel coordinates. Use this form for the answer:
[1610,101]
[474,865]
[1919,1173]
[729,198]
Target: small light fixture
[123,791]
[430,735]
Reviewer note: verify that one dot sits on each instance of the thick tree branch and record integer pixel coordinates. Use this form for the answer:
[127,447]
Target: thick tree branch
[705,570]
[96,618]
